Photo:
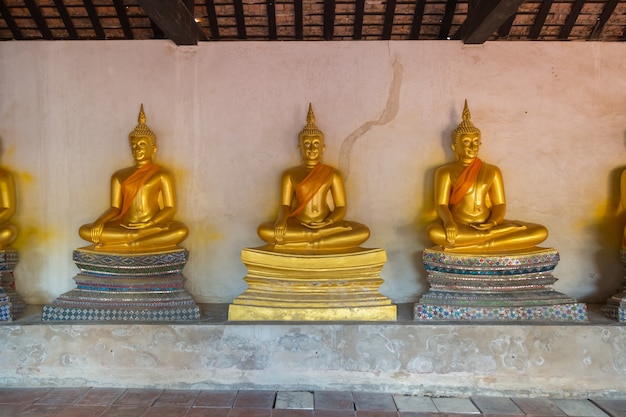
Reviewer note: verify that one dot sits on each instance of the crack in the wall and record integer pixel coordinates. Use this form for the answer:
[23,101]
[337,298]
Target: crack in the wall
[387,115]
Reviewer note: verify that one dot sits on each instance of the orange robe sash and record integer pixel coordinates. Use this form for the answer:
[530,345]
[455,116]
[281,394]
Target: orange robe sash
[132,185]
[465,180]
[310,185]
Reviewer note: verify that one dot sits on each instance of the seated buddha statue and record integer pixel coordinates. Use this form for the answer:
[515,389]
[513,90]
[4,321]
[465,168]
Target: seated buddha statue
[305,220]
[470,202]
[143,203]
[8,231]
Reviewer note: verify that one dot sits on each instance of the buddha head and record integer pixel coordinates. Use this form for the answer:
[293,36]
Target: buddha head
[466,137]
[142,140]
[311,140]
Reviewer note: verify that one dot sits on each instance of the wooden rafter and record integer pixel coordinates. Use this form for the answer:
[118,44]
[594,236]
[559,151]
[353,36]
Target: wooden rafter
[446,22]
[540,20]
[123,18]
[35,13]
[239,18]
[299,28]
[67,20]
[485,18]
[212,16]
[8,18]
[271,19]
[390,11]
[505,29]
[156,30]
[329,19]
[93,17]
[418,15]
[176,20]
[577,6]
[359,11]
[608,10]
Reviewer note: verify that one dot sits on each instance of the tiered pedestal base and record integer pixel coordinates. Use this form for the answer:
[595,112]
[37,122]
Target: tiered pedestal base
[130,287]
[12,304]
[495,286]
[615,307]
[320,287]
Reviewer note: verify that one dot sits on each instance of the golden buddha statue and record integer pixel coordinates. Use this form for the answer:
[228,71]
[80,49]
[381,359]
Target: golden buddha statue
[305,220]
[143,203]
[8,231]
[470,202]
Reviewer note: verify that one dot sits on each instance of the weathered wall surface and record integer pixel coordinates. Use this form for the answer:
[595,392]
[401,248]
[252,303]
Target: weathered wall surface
[227,115]
[559,361]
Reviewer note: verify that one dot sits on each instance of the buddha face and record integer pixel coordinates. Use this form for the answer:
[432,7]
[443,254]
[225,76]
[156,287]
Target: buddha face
[311,148]
[467,146]
[142,148]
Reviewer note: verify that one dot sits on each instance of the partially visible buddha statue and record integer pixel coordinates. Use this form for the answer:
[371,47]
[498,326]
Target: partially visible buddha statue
[143,203]
[470,202]
[8,231]
[305,220]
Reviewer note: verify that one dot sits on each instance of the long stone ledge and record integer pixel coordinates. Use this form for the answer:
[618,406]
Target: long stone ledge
[556,360]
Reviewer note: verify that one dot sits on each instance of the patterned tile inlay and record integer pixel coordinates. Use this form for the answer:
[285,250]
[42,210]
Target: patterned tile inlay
[134,288]
[615,307]
[171,262]
[14,302]
[497,286]
[565,312]
[494,264]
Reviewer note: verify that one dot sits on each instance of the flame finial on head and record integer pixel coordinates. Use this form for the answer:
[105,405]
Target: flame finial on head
[142,130]
[466,126]
[310,129]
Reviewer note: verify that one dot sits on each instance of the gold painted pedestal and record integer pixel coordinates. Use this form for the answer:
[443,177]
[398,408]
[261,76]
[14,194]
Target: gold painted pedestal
[312,287]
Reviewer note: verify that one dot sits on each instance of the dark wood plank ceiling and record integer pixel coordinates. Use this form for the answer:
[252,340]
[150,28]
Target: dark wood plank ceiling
[187,22]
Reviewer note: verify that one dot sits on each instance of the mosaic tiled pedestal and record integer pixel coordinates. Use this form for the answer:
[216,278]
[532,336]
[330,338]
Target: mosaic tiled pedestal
[320,287]
[12,304]
[497,286]
[615,307]
[129,287]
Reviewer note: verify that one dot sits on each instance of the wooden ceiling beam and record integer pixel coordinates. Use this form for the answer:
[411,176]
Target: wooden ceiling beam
[329,19]
[505,29]
[6,15]
[299,18]
[485,18]
[446,22]
[608,10]
[540,19]
[240,19]
[418,16]
[390,11]
[95,21]
[212,16]
[120,10]
[35,13]
[175,19]
[359,12]
[271,19]
[577,6]
[67,20]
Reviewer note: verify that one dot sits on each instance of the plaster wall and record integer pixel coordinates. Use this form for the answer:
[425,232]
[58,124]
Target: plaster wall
[452,359]
[227,115]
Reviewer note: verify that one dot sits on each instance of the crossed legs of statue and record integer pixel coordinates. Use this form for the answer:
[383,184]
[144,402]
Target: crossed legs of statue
[343,235]
[510,235]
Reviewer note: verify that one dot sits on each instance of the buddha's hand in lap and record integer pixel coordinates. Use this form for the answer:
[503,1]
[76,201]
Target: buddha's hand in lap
[483,226]
[317,225]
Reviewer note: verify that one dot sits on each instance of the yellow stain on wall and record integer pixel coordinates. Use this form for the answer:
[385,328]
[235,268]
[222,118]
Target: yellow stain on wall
[28,234]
